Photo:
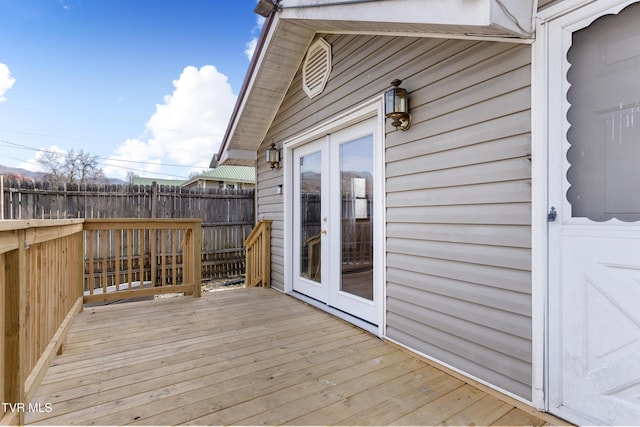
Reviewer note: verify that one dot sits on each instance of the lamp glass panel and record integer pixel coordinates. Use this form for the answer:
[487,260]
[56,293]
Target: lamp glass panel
[389,104]
[395,101]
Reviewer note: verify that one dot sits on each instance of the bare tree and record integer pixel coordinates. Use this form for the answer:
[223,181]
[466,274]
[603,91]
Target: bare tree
[131,176]
[73,167]
[52,162]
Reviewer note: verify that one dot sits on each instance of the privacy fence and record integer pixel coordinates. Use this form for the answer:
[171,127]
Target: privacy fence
[227,215]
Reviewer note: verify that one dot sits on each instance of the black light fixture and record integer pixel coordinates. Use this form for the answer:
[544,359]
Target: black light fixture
[273,157]
[265,8]
[396,106]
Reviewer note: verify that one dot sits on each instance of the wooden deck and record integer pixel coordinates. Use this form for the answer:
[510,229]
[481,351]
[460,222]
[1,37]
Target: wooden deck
[249,356]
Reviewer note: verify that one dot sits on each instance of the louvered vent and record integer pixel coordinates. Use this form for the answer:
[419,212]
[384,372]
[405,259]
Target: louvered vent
[316,68]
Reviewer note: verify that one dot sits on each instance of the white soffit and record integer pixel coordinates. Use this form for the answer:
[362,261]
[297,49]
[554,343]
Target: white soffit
[505,18]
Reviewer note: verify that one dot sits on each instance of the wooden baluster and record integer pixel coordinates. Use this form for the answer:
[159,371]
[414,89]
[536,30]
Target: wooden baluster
[117,262]
[103,236]
[90,237]
[152,256]
[130,258]
[163,257]
[174,255]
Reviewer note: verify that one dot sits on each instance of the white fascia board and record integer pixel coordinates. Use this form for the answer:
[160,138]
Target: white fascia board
[237,157]
[444,12]
[513,16]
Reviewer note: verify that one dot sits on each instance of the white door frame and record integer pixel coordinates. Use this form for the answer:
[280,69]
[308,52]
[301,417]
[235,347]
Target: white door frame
[368,109]
[548,101]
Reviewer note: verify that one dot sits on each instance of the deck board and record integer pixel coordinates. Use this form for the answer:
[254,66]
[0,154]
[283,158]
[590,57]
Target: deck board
[248,356]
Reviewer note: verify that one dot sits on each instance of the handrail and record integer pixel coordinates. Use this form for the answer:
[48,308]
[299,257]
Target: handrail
[258,255]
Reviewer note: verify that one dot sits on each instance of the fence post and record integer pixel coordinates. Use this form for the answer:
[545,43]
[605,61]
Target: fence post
[15,318]
[154,199]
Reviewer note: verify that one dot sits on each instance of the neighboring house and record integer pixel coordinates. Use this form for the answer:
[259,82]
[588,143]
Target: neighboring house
[138,180]
[227,177]
[500,234]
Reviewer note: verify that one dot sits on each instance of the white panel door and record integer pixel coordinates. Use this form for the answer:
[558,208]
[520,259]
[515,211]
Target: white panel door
[594,253]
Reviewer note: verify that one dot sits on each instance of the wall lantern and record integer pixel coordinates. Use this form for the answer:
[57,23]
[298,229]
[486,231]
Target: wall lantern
[396,106]
[273,157]
[264,8]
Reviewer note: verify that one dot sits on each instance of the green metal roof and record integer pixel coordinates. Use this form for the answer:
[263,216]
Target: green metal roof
[230,173]
[138,180]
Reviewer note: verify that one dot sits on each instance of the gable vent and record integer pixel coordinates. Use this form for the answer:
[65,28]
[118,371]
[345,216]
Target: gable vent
[316,68]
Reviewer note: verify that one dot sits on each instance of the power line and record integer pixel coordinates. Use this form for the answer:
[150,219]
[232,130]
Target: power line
[115,166]
[26,147]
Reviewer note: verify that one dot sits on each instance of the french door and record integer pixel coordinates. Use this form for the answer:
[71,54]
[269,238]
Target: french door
[334,224]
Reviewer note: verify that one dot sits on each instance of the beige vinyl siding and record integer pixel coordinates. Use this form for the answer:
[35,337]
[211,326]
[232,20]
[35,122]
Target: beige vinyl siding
[458,196]
[458,217]
[270,206]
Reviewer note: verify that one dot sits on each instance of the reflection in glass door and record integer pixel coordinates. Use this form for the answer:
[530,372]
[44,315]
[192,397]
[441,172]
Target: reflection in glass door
[310,220]
[310,211]
[356,182]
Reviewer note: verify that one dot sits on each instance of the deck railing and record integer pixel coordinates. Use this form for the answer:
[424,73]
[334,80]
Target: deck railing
[258,261]
[47,270]
[134,258]
[40,294]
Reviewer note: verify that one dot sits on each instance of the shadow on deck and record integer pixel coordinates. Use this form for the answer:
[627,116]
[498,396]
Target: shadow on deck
[249,356]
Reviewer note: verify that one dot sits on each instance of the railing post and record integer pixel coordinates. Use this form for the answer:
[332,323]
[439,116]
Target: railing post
[266,256]
[80,241]
[197,259]
[15,330]
[258,255]
[248,266]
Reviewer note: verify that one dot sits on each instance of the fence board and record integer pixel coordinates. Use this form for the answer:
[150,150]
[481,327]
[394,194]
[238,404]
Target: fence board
[227,215]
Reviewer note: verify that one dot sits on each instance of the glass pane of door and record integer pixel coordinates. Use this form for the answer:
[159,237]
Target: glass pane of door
[356,183]
[310,216]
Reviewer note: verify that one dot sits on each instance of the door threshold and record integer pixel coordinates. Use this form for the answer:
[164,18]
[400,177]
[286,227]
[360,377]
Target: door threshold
[356,321]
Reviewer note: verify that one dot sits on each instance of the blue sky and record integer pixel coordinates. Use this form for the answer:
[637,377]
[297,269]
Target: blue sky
[148,81]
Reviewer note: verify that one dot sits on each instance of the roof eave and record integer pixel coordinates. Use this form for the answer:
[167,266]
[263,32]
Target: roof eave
[287,34]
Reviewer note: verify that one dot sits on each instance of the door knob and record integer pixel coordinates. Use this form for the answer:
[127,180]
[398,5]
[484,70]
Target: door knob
[323,231]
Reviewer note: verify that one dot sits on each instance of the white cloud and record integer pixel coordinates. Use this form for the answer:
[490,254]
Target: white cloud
[251,47]
[251,44]
[186,129]
[6,81]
